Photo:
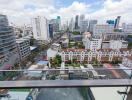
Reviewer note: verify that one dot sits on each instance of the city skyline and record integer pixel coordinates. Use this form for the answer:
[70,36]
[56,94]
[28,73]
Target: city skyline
[20,12]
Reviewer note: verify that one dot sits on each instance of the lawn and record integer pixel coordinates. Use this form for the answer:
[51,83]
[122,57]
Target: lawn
[76,33]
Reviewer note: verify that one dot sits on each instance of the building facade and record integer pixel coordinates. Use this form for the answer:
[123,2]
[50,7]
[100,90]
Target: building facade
[127,28]
[83,24]
[91,25]
[98,30]
[77,22]
[40,28]
[118,44]
[23,46]
[51,31]
[91,43]
[117,21]
[102,55]
[56,24]
[8,49]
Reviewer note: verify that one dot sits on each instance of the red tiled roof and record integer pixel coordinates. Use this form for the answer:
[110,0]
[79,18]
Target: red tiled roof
[73,50]
[107,49]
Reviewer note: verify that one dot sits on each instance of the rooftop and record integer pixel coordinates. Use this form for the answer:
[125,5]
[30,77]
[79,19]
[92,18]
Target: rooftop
[21,40]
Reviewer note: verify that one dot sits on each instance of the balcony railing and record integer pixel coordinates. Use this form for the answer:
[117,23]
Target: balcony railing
[97,77]
[74,83]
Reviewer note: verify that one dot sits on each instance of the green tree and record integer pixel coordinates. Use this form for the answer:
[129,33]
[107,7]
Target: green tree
[130,45]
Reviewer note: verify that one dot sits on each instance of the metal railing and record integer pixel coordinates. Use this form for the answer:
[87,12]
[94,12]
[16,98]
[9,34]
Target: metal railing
[97,77]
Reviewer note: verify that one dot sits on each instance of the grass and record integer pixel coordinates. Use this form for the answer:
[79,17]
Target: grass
[74,64]
[20,90]
[76,33]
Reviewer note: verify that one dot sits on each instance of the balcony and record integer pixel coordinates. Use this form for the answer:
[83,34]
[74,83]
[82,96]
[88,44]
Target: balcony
[58,83]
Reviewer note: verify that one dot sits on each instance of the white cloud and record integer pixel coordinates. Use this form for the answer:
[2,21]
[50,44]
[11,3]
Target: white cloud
[17,13]
[112,8]
[76,8]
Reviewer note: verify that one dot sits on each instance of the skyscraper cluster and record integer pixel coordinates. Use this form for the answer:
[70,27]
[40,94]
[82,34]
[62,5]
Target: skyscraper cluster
[80,23]
[44,29]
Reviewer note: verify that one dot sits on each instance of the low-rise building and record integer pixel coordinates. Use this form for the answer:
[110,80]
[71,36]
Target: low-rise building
[118,44]
[114,44]
[98,30]
[23,46]
[56,46]
[102,55]
[92,43]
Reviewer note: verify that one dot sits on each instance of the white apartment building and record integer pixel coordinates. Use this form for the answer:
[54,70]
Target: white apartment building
[98,30]
[91,43]
[101,55]
[23,46]
[118,44]
[127,61]
[8,50]
[40,28]
[113,36]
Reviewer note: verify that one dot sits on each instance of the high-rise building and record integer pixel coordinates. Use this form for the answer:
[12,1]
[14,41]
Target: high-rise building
[51,31]
[40,28]
[91,25]
[83,24]
[71,25]
[76,22]
[82,18]
[111,22]
[55,24]
[117,21]
[59,21]
[8,49]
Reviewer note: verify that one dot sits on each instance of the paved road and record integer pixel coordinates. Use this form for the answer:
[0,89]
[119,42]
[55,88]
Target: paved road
[59,94]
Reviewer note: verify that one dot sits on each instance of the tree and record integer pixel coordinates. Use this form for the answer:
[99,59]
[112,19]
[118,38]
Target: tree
[130,45]
[56,61]
[74,60]
[58,57]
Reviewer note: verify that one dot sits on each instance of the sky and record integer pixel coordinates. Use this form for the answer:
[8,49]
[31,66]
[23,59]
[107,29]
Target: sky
[20,12]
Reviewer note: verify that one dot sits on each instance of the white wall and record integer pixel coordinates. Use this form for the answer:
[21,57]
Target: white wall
[40,28]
